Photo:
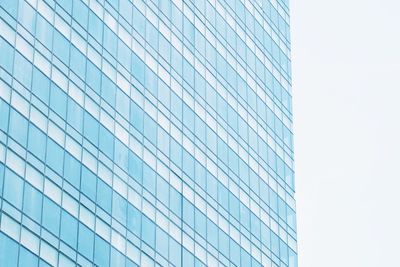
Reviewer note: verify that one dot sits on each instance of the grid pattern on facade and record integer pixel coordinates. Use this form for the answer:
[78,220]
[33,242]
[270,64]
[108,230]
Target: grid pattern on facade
[146,133]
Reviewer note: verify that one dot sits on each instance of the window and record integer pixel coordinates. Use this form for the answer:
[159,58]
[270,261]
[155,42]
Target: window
[161,242]
[110,41]
[175,201]
[78,62]
[121,154]
[69,229]
[13,188]
[200,223]
[9,251]
[148,231]
[234,252]
[88,183]
[101,252]
[134,220]
[104,193]
[51,216]
[176,102]
[95,27]
[176,152]
[54,156]
[138,21]
[122,104]
[61,47]
[223,239]
[234,206]
[85,241]
[32,203]
[119,207]
[26,258]
[72,170]
[93,76]
[58,100]
[135,166]
[91,128]
[149,179]
[188,164]
[174,252]
[138,68]
[212,233]
[274,243]
[136,117]
[151,81]
[75,115]
[106,142]
[6,60]
[18,128]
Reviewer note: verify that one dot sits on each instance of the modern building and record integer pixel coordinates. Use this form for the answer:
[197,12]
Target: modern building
[146,133]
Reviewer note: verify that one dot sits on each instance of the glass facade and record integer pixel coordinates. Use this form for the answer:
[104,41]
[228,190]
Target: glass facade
[146,133]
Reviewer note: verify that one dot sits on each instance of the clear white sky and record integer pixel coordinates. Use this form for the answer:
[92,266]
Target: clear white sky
[346,83]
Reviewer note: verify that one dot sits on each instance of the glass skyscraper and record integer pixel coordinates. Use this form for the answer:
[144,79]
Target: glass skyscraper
[146,133]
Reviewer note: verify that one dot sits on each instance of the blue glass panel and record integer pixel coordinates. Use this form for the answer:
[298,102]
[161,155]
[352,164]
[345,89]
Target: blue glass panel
[136,116]
[134,220]
[138,68]
[88,183]
[104,195]
[135,166]
[75,115]
[93,76]
[110,41]
[175,201]
[150,129]
[18,128]
[44,31]
[101,252]
[117,258]
[4,115]
[162,191]
[95,27]
[121,155]
[161,242]
[212,233]
[58,100]
[27,258]
[200,223]
[72,170]
[6,60]
[148,231]
[69,229]
[223,243]
[119,206]
[54,156]
[149,179]
[175,252]
[85,241]
[78,62]
[9,251]
[138,21]
[13,188]
[26,16]
[1,178]
[80,13]
[51,216]
[106,142]
[61,47]
[91,128]
[37,142]
[33,203]
[188,213]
